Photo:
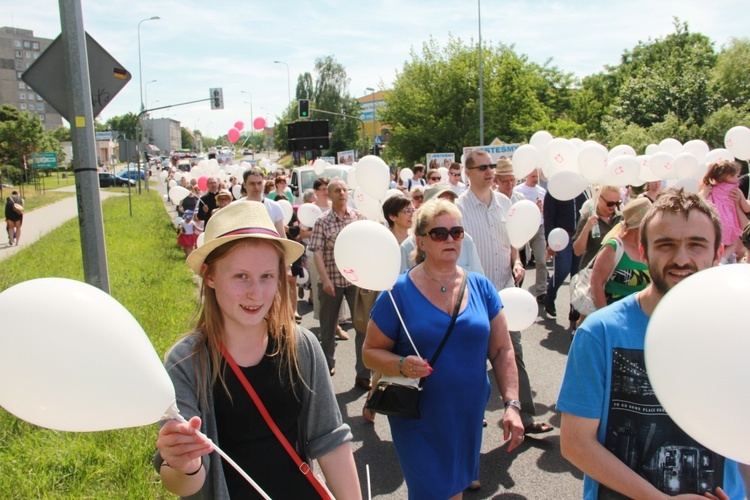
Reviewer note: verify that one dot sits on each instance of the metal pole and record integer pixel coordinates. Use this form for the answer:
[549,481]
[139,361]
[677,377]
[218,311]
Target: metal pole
[373,118]
[481,86]
[90,221]
[288,80]
[140,88]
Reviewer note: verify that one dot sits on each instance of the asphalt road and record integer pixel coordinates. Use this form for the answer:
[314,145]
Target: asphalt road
[535,471]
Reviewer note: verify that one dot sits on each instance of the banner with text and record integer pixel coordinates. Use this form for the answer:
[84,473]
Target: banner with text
[497,149]
[437,160]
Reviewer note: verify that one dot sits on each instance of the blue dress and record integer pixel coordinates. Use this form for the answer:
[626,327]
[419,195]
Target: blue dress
[439,453]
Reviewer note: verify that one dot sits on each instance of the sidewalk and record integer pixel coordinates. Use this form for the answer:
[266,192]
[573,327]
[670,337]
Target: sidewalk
[41,221]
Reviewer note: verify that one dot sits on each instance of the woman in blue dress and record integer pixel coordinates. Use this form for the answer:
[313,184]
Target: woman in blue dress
[439,453]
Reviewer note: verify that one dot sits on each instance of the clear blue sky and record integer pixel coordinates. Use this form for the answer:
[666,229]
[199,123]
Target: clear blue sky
[233,43]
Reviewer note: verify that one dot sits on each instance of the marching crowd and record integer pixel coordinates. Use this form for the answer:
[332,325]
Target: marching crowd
[259,386]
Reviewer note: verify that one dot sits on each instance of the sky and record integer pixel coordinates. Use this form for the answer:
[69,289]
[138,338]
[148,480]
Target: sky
[232,44]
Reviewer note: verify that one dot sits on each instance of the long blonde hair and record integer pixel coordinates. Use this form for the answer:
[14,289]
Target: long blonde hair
[210,325]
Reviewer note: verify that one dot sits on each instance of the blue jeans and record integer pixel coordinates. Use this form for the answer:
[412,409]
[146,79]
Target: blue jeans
[566,263]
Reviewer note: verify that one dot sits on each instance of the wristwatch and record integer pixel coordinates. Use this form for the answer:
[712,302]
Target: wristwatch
[514,403]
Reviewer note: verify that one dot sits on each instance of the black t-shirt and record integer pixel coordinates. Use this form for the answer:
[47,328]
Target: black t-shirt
[209,200]
[246,437]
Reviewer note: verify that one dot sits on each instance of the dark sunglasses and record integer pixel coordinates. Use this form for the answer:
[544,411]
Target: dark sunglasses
[455,174]
[484,168]
[611,204]
[435,178]
[441,233]
[417,197]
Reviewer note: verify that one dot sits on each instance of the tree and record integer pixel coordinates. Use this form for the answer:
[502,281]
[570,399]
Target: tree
[732,72]
[126,125]
[61,133]
[305,86]
[718,123]
[187,139]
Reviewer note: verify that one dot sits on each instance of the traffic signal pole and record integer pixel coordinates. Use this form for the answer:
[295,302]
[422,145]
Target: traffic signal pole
[364,150]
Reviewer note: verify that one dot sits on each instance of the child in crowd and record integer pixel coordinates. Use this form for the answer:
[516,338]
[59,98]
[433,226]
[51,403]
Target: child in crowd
[223,198]
[720,186]
[188,231]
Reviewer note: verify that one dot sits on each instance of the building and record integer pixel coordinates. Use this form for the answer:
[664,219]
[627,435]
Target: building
[164,134]
[19,48]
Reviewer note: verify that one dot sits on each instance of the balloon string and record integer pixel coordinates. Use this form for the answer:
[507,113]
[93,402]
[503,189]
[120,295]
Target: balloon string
[369,489]
[223,455]
[403,324]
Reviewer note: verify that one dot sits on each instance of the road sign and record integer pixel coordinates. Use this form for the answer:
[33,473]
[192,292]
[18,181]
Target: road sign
[106,75]
[44,160]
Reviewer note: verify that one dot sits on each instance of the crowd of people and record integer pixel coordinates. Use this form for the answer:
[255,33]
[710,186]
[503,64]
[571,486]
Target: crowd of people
[441,324]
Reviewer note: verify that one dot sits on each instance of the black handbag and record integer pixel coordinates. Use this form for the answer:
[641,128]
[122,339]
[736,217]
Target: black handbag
[399,396]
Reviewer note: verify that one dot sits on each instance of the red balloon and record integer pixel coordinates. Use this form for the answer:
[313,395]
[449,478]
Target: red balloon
[203,183]
[233,135]
[239,125]
[259,123]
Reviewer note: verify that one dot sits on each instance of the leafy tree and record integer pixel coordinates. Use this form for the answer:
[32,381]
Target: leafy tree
[8,112]
[732,72]
[61,133]
[187,139]
[305,86]
[718,123]
[126,125]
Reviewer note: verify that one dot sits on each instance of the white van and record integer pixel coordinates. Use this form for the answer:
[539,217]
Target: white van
[304,177]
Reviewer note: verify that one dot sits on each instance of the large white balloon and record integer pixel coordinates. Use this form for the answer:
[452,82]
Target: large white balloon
[689,184]
[652,149]
[737,141]
[686,165]
[177,194]
[622,149]
[525,159]
[287,209]
[562,155]
[540,139]
[373,176]
[368,255]
[237,191]
[520,308]
[406,174]
[697,148]
[592,161]
[351,178]
[681,338]
[622,171]
[319,166]
[369,206]
[566,185]
[717,155]
[646,174]
[308,213]
[661,164]
[84,365]
[523,222]
[671,146]
[558,239]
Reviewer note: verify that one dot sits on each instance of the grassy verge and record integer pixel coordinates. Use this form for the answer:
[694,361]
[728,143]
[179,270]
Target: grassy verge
[148,276]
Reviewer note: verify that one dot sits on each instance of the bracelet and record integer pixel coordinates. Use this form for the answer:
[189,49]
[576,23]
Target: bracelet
[400,363]
[196,472]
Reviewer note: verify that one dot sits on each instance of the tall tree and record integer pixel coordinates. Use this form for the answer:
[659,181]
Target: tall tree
[305,88]
[732,72]
[23,136]
[187,139]
[126,125]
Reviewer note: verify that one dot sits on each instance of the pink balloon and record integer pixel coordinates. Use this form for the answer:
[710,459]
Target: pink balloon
[239,125]
[233,135]
[259,123]
[203,183]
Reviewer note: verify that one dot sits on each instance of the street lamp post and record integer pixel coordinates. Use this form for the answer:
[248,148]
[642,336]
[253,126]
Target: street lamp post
[481,86]
[373,119]
[145,87]
[140,87]
[288,80]
[252,125]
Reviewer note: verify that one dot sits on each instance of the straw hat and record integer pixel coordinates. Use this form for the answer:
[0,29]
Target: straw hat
[634,212]
[436,190]
[224,193]
[504,167]
[241,219]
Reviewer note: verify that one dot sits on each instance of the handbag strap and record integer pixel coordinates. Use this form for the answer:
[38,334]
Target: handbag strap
[304,467]
[453,320]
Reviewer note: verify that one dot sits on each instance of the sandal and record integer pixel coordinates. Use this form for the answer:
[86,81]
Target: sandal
[538,428]
[368,415]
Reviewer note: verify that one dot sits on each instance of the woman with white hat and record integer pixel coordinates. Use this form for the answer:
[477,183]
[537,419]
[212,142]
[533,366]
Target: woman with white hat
[246,341]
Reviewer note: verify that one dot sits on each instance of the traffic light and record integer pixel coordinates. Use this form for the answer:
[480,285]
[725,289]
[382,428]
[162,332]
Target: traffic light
[304,108]
[217,99]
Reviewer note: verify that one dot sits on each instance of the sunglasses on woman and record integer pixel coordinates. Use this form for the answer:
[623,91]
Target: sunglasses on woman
[441,233]
[435,178]
[611,204]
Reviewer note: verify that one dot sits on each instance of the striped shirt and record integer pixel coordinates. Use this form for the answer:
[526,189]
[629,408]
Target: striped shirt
[326,230]
[487,225]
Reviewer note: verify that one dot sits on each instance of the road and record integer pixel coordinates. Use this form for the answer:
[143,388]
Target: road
[535,471]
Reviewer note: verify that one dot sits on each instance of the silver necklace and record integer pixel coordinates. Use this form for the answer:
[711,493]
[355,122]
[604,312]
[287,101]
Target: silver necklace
[442,287]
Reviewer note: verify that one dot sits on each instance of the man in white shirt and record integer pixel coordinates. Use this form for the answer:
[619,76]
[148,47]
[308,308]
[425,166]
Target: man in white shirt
[253,182]
[454,178]
[531,190]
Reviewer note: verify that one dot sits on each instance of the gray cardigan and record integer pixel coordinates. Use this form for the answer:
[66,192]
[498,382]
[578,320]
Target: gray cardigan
[321,428]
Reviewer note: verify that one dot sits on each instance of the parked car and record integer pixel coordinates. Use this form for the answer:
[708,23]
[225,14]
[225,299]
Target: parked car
[303,177]
[131,173]
[107,179]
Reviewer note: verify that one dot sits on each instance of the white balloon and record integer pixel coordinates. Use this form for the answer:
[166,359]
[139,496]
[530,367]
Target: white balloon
[520,308]
[686,165]
[443,174]
[681,337]
[592,162]
[287,209]
[576,142]
[646,174]
[368,255]
[652,149]
[697,148]
[406,174]
[540,139]
[301,280]
[163,175]
[77,372]
[319,166]
[522,222]
[562,155]
[558,239]
[671,146]
[177,194]
[689,184]
[172,183]
[662,165]
[622,149]
[566,185]
[622,171]
[308,213]
[391,193]
[373,176]
[237,191]
[717,155]
[202,165]
[201,239]
[351,178]
[369,206]
[526,159]
[737,141]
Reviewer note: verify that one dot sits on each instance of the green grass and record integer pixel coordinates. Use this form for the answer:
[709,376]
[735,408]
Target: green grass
[148,276]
